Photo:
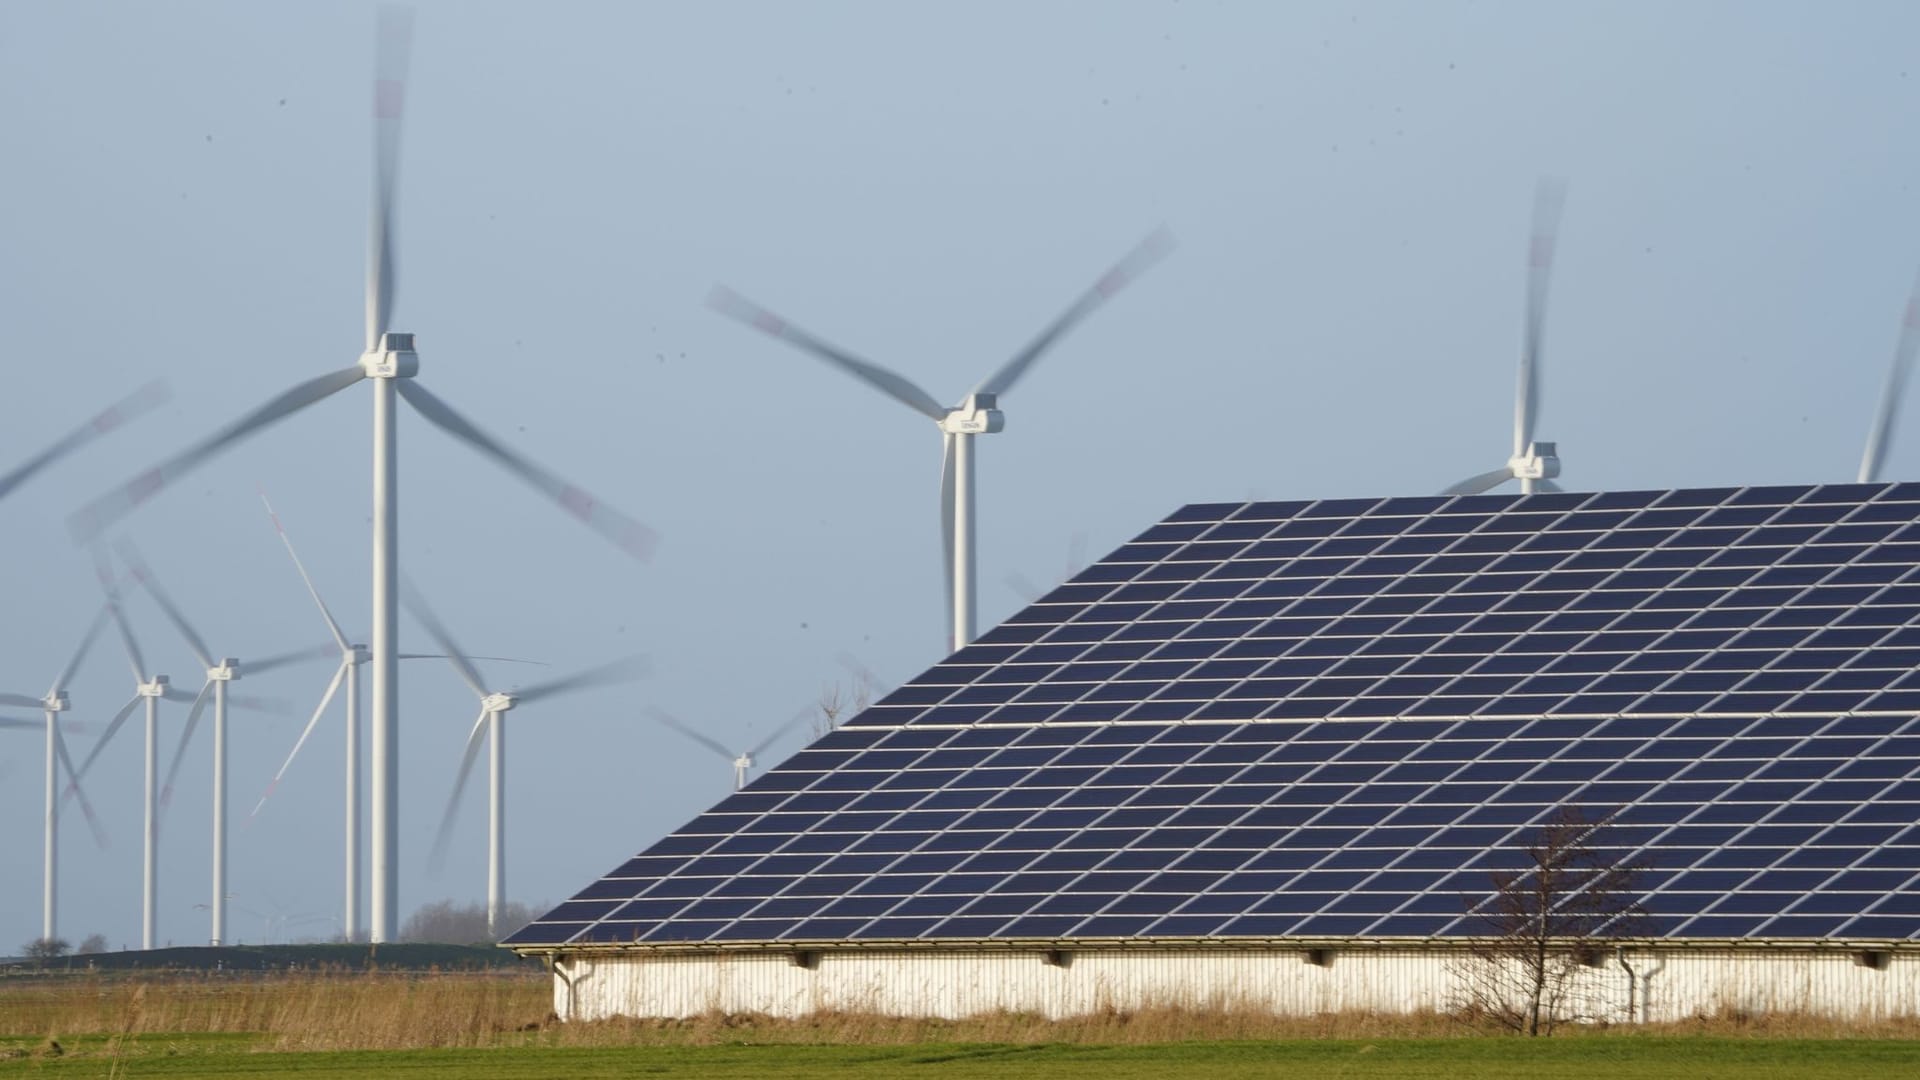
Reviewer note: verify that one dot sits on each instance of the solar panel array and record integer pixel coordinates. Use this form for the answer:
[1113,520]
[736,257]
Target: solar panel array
[1340,718]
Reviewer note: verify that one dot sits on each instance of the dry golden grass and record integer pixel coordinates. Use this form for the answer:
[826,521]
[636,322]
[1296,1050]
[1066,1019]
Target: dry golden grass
[386,1011]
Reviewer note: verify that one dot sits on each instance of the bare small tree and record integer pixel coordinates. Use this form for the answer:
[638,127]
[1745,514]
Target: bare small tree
[1547,920]
[92,944]
[41,950]
[450,923]
[836,702]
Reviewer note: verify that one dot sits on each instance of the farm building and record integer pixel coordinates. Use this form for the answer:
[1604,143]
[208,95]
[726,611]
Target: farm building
[1273,756]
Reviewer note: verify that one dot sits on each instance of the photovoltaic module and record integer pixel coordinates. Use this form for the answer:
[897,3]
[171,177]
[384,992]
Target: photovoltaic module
[1339,718]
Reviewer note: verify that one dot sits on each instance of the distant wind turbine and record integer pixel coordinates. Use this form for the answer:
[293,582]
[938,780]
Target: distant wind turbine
[977,414]
[491,726]
[389,360]
[52,705]
[1534,464]
[742,761]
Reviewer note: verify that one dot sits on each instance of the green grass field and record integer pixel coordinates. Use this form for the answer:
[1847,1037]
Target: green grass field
[1608,1056]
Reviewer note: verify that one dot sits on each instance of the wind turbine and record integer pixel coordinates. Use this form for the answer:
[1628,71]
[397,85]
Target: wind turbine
[148,688]
[1880,436]
[742,762]
[52,705]
[1534,464]
[390,362]
[219,673]
[145,399]
[352,656]
[977,414]
[491,724]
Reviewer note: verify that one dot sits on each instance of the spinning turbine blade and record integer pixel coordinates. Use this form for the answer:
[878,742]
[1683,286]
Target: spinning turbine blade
[1549,198]
[186,736]
[395,40]
[19,724]
[338,637]
[326,699]
[626,533]
[21,701]
[1486,481]
[1881,435]
[74,789]
[704,740]
[295,656]
[732,304]
[417,603]
[145,399]
[113,728]
[127,642]
[438,857]
[143,575]
[792,723]
[86,643]
[1149,251]
[623,670]
[89,521]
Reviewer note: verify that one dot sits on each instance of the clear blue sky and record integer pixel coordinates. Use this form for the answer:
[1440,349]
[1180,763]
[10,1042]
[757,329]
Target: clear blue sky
[927,185]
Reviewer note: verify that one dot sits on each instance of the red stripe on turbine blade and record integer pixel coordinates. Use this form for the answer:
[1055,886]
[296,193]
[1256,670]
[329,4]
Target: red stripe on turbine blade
[577,502]
[769,322]
[1112,282]
[639,541]
[1913,314]
[389,95]
[1542,251]
[108,420]
[144,485]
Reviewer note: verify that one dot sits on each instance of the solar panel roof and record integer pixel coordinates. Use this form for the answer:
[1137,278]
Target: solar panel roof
[1338,718]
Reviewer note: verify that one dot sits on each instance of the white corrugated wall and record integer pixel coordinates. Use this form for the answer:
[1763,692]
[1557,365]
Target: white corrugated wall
[1665,985]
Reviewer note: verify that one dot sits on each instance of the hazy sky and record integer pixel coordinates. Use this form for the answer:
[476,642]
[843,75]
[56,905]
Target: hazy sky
[927,185]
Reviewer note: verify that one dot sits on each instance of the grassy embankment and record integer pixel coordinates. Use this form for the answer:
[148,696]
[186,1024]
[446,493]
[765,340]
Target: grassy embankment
[496,1025]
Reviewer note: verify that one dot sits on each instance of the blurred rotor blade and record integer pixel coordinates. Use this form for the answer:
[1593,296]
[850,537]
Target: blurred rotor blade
[147,398]
[488,659]
[1549,197]
[90,520]
[859,671]
[78,792]
[625,670]
[19,724]
[21,701]
[326,699]
[1881,434]
[1149,251]
[86,643]
[186,736]
[127,641]
[113,728]
[629,535]
[392,43]
[1547,485]
[1486,481]
[1023,587]
[338,637]
[254,703]
[422,611]
[947,512]
[898,387]
[437,858]
[707,741]
[295,656]
[143,575]
[794,722]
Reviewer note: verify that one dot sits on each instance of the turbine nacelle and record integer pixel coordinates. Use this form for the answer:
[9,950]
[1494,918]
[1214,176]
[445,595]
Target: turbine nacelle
[226,671]
[394,359]
[975,416]
[496,703]
[1540,462]
[358,654]
[155,687]
[56,702]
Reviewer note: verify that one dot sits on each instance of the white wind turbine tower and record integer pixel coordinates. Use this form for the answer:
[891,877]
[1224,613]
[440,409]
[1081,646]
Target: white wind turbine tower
[52,705]
[742,762]
[352,656]
[219,673]
[390,362]
[1880,436]
[491,725]
[1534,464]
[977,414]
[145,399]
